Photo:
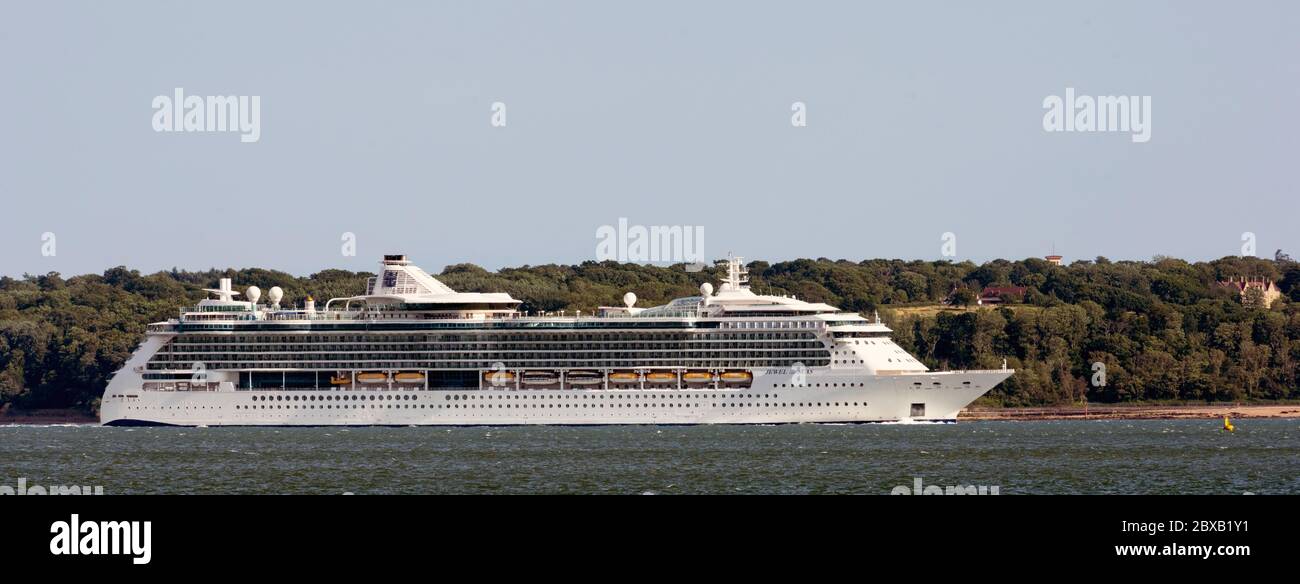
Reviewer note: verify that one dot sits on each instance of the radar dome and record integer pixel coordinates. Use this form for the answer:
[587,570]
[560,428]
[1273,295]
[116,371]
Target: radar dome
[706,289]
[253,294]
[275,295]
[629,299]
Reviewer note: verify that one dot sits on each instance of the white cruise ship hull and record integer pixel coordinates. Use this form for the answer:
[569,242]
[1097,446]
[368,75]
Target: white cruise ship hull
[825,397]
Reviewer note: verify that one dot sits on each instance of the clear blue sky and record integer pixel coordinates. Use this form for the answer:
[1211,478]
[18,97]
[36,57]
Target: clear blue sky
[923,118]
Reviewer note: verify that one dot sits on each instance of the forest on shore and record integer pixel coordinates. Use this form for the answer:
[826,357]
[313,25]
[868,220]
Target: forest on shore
[1164,329]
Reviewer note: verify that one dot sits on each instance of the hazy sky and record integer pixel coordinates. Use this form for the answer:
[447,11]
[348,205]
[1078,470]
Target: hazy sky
[922,118]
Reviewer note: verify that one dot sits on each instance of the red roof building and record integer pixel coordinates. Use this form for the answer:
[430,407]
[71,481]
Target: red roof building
[1253,291]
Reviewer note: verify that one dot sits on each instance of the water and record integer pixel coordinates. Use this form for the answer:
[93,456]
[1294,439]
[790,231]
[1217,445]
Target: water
[1157,456]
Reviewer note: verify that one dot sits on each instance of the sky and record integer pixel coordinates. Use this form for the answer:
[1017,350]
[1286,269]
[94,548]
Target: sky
[376,120]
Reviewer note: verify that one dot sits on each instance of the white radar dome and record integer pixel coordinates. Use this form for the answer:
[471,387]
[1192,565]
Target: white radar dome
[253,294]
[275,295]
[706,289]
[629,299]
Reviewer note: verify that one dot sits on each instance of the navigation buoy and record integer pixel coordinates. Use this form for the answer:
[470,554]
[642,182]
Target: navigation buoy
[1227,425]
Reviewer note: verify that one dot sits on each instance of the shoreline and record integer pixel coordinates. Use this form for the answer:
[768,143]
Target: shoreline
[1134,412]
[11,417]
[971,414]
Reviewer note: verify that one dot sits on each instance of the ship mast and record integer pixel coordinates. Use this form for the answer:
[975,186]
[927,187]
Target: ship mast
[737,273]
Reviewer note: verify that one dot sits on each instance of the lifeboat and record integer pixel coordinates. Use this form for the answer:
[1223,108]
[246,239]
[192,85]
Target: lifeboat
[496,377]
[737,376]
[661,377]
[340,380]
[372,378]
[410,377]
[697,377]
[623,377]
[540,377]
[583,377]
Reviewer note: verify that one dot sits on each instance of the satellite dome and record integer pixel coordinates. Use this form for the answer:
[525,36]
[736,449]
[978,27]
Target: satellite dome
[629,299]
[253,294]
[706,289]
[275,295]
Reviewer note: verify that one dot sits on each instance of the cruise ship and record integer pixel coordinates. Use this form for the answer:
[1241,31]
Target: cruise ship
[412,351]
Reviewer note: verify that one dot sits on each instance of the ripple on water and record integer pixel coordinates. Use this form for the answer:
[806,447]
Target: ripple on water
[1073,456]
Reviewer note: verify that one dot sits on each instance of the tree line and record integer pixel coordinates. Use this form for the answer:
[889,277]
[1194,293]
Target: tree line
[1162,329]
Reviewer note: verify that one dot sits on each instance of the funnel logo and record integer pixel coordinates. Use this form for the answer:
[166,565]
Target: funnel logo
[102,538]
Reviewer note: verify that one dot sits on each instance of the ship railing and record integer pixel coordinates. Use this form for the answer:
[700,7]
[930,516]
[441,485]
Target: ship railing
[181,386]
[320,315]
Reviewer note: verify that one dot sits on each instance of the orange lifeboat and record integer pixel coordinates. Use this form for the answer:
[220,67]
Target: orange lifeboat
[498,377]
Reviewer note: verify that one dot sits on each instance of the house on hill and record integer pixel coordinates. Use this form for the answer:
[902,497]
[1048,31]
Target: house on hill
[1260,292]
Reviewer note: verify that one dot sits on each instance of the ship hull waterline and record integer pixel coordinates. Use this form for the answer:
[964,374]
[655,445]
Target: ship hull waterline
[772,399]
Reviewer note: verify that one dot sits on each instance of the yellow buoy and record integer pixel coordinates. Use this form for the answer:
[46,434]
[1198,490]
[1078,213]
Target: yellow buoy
[1227,425]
